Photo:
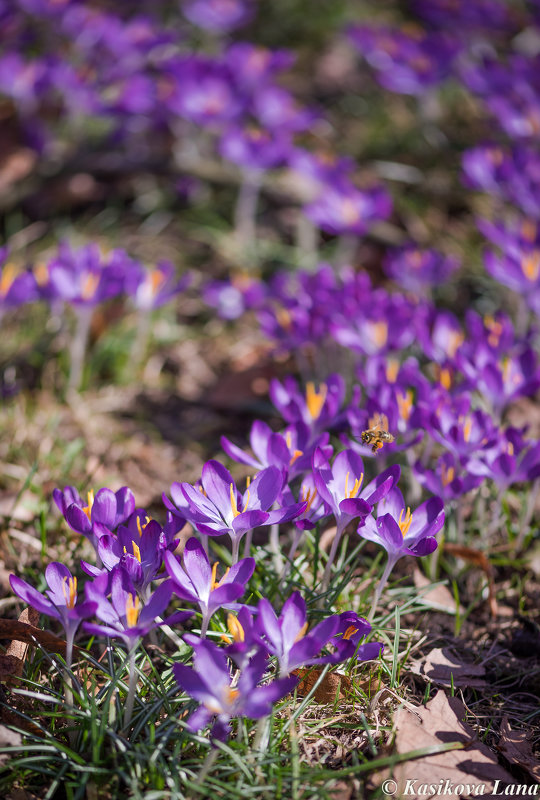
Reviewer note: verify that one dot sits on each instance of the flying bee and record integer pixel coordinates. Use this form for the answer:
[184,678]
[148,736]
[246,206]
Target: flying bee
[377,433]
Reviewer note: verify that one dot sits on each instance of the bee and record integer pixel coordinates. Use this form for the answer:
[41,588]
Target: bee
[377,433]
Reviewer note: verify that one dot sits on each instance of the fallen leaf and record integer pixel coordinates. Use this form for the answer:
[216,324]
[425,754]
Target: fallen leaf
[438,597]
[24,632]
[332,687]
[12,662]
[439,723]
[444,668]
[517,749]
[479,559]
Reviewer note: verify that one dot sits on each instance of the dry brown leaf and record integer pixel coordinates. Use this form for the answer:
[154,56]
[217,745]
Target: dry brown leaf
[12,662]
[24,632]
[332,687]
[438,598]
[517,749]
[438,723]
[444,668]
[479,559]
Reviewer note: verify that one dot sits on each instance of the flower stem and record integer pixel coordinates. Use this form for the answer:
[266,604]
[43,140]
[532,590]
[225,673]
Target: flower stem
[331,557]
[275,547]
[78,346]
[69,660]
[140,343]
[245,216]
[382,583]
[132,684]
[235,549]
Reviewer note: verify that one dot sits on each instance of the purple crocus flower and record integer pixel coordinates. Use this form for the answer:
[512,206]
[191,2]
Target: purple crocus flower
[210,682]
[340,486]
[285,636]
[342,208]
[138,546]
[290,451]
[219,508]
[103,514]
[60,600]
[417,271]
[218,16]
[16,287]
[197,582]
[401,532]
[155,287]
[254,148]
[126,616]
[449,479]
[352,630]
[319,408]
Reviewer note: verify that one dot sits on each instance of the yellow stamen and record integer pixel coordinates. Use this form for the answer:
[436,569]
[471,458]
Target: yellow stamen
[90,284]
[379,333]
[351,630]
[288,439]
[88,509]
[510,449]
[315,400]
[157,278]
[447,475]
[215,583]
[284,319]
[495,329]
[295,455]
[530,266]
[133,609]
[467,428]
[234,505]
[231,695]
[455,341]
[235,628]
[301,632]
[136,552]
[445,377]
[405,404]
[41,274]
[308,497]
[392,370]
[9,273]
[405,524]
[356,487]
[69,588]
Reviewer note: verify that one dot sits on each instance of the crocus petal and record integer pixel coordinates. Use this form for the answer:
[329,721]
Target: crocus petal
[240,572]
[260,701]
[269,624]
[157,603]
[264,489]
[197,567]
[32,597]
[369,651]
[238,455]
[104,508]
[248,520]
[224,595]
[181,582]
[77,519]
[216,481]
[381,485]
[57,575]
